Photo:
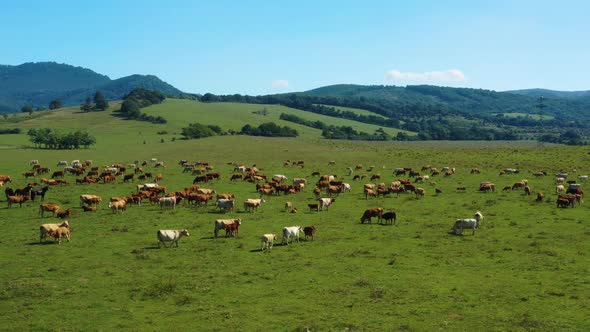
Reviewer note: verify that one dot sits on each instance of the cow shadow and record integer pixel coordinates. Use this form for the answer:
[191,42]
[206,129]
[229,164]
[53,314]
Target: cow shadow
[151,248]
[44,243]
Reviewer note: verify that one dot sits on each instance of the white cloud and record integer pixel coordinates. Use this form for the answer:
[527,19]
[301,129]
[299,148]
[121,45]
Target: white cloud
[439,76]
[280,84]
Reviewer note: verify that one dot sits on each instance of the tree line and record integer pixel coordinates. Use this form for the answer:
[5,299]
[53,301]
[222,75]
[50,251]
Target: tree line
[435,114]
[48,138]
[269,129]
[138,99]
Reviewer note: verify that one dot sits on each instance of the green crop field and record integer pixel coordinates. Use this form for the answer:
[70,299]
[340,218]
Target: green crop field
[526,269]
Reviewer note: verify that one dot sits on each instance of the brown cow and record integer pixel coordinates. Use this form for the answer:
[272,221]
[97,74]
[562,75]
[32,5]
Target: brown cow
[309,232]
[53,208]
[315,207]
[540,197]
[89,208]
[57,174]
[64,214]
[370,213]
[17,199]
[232,229]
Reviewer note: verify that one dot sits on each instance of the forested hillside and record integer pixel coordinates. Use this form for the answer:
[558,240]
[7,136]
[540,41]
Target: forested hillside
[37,84]
[442,113]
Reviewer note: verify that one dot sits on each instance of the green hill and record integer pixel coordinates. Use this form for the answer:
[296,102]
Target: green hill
[39,83]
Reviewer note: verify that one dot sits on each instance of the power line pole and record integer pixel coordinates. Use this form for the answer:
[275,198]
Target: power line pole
[540,105]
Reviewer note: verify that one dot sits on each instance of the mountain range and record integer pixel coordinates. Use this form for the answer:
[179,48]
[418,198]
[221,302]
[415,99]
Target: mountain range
[37,84]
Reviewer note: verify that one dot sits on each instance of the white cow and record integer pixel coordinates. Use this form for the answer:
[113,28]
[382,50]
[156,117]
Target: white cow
[559,189]
[346,187]
[267,241]
[169,235]
[559,180]
[220,224]
[583,177]
[225,204]
[62,163]
[256,200]
[168,201]
[33,162]
[461,224]
[45,229]
[326,202]
[292,231]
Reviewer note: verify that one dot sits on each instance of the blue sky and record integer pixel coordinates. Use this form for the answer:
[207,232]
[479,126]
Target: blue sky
[262,47]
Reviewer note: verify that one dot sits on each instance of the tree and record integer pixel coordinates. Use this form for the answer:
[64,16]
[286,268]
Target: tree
[87,106]
[100,103]
[27,109]
[55,104]
[130,108]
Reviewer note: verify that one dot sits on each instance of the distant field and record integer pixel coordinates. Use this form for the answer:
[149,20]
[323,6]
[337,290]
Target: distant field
[356,110]
[526,269]
[532,116]
[234,115]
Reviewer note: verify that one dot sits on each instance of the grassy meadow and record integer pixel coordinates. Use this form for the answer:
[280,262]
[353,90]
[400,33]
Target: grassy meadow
[526,269]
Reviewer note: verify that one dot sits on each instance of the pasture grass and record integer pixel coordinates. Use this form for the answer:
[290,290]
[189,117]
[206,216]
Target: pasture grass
[526,269]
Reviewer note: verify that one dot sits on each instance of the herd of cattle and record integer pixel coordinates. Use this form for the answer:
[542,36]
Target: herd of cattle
[195,195]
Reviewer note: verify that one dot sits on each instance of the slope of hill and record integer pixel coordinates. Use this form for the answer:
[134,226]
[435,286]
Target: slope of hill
[551,93]
[37,84]
[566,105]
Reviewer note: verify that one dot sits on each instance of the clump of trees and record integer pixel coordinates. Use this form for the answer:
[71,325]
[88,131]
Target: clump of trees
[10,131]
[269,129]
[96,104]
[55,104]
[197,130]
[48,138]
[138,99]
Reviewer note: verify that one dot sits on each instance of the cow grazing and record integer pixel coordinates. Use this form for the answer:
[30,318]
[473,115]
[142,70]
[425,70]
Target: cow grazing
[461,224]
[169,235]
[53,208]
[39,192]
[540,197]
[559,189]
[119,206]
[326,202]
[89,199]
[487,187]
[221,223]
[18,199]
[583,178]
[251,205]
[288,206]
[46,229]
[59,233]
[167,201]
[527,190]
[420,192]
[309,231]
[370,213]
[232,229]
[225,204]
[128,177]
[267,241]
[314,207]
[64,214]
[291,232]
[389,217]
[89,208]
